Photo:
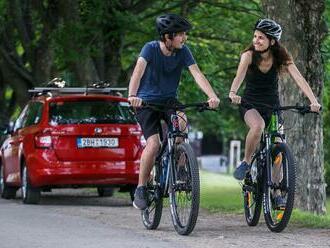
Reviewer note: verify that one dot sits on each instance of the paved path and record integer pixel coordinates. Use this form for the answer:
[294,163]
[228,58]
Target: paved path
[77,218]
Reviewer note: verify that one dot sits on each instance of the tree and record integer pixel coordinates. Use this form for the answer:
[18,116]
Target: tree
[304,30]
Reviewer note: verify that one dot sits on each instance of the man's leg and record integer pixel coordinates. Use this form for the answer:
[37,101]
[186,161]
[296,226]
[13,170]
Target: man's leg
[148,158]
[149,122]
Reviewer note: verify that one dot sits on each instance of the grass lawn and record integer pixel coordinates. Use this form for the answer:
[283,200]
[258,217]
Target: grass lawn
[222,193]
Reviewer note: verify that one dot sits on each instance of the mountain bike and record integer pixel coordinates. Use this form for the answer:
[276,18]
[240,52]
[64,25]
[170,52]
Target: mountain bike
[175,175]
[272,174]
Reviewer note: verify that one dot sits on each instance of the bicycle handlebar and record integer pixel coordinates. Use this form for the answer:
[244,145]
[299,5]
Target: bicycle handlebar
[302,109]
[200,106]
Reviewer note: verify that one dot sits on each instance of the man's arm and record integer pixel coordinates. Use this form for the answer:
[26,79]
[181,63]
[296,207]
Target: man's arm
[135,82]
[204,84]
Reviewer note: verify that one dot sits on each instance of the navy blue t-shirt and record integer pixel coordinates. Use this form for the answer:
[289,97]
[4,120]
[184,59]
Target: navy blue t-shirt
[162,75]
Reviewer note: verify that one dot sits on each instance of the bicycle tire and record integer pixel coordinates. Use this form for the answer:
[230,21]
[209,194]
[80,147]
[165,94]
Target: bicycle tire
[252,194]
[152,215]
[277,219]
[189,190]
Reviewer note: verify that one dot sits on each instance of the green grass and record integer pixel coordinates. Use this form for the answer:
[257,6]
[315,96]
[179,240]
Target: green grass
[306,219]
[222,193]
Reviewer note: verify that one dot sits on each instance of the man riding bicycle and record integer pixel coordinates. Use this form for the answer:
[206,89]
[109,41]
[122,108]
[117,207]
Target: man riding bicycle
[155,79]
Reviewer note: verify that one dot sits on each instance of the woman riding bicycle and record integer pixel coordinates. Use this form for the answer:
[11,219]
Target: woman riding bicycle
[155,79]
[260,65]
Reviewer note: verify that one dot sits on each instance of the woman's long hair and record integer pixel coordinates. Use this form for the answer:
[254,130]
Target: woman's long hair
[281,57]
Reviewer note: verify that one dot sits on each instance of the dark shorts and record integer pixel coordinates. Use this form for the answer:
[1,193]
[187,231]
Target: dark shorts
[150,120]
[265,113]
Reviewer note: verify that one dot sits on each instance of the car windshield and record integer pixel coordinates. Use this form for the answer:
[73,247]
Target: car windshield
[90,112]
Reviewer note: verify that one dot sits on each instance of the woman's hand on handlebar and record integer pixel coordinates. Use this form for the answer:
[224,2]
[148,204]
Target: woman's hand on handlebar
[315,107]
[135,101]
[235,99]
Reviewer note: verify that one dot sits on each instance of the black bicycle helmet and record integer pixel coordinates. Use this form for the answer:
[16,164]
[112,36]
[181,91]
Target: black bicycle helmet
[270,28]
[172,23]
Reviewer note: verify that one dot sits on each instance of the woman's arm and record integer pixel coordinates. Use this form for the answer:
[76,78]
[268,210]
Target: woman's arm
[304,86]
[246,60]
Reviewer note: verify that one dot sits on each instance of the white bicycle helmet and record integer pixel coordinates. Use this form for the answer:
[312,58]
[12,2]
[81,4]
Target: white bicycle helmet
[270,28]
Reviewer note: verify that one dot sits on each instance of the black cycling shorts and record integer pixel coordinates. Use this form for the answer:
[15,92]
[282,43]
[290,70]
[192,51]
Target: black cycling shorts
[150,121]
[265,113]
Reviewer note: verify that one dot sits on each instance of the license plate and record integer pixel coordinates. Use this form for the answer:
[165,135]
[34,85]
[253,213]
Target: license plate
[97,142]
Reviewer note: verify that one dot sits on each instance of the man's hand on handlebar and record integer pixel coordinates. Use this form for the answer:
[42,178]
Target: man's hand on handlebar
[135,101]
[213,102]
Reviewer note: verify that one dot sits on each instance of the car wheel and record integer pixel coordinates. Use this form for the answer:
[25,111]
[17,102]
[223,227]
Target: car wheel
[6,191]
[30,195]
[104,192]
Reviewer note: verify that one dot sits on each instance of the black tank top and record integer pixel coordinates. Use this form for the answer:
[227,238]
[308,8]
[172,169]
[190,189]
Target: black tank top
[261,87]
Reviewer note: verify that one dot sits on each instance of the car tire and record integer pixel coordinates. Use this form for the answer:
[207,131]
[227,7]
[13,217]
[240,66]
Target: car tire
[30,195]
[105,191]
[6,191]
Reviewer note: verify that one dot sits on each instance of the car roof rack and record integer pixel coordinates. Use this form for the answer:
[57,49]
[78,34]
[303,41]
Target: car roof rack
[55,91]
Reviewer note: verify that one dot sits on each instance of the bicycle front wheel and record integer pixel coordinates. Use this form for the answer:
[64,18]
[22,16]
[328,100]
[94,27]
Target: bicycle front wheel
[279,196]
[151,216]
[184,189]
[252,194]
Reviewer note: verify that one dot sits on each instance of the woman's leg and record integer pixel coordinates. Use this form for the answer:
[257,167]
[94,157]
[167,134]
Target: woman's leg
[256,124]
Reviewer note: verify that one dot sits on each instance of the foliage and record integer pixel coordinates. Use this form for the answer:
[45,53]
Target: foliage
[110,32]
[221,30]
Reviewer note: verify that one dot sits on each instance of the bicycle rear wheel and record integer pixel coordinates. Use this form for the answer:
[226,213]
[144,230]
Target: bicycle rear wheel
[277,213]
[151,216]
[184,189]
[252,193]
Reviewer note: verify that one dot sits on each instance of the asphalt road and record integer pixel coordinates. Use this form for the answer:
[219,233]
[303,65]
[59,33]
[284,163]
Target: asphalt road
[47,226]
[78,218]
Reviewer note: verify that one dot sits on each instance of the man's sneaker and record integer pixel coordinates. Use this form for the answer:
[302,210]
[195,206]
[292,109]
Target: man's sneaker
[280,202]
[241,170]
[140,198]
[182,175]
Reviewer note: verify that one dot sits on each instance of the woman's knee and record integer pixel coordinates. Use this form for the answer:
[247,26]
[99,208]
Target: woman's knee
[257,127]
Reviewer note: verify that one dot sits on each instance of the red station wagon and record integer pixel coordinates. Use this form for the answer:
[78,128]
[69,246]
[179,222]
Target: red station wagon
[71,137]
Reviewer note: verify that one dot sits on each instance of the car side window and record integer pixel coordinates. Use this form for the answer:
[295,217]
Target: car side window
[33,115]
[20,119]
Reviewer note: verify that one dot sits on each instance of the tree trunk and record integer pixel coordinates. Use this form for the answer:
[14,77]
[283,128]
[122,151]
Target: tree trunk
[303,32]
